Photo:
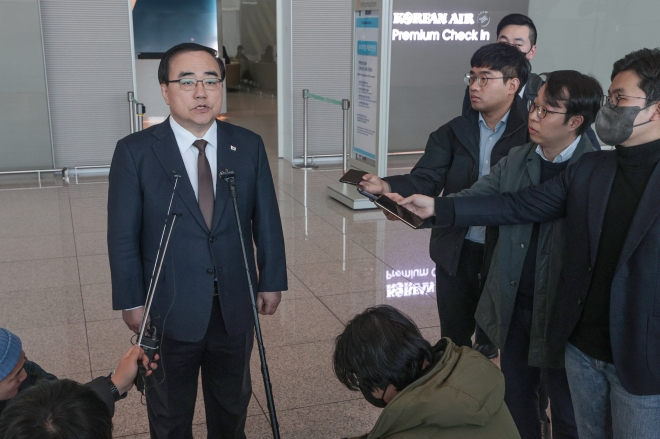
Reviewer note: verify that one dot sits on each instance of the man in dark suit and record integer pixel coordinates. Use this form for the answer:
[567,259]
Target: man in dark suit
[606,315]
[201,308]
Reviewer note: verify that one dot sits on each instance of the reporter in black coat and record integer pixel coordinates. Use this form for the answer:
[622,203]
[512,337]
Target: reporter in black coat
[457,154]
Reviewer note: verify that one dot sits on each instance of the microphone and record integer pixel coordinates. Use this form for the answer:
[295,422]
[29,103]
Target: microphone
[229,177]
[226,174]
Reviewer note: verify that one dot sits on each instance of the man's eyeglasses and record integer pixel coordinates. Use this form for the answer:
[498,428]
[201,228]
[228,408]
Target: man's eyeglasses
[541,111]
[187,84]
[482,80]
[613,99]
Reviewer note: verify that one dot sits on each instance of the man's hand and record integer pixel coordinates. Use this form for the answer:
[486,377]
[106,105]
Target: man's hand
[133,318]
[127,368]
[374,184]
[267,302]
[420,205]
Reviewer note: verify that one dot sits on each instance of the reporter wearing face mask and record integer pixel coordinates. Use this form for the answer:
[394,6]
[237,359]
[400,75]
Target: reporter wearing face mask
[440,391]
[608,301]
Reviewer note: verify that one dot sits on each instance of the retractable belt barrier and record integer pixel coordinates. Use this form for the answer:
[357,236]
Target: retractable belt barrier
[345,105]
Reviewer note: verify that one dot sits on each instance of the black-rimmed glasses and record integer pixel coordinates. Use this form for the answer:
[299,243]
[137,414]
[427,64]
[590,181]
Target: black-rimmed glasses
[613,99]
[481,80]
[541,111]
[187,84]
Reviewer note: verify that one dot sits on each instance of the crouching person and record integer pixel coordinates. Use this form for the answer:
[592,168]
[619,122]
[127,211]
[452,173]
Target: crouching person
[35,404]
[441,391]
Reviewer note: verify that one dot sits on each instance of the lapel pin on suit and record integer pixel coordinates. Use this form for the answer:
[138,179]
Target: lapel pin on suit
[233,148]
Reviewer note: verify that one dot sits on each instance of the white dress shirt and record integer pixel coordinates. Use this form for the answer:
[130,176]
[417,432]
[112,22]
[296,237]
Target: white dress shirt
[487,140]
[189,153]
[563,156]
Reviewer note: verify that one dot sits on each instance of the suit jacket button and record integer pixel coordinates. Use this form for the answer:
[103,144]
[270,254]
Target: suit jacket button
[513,283]
[579,302]
[209,271]
[522,245]
[212,240]
[589,269]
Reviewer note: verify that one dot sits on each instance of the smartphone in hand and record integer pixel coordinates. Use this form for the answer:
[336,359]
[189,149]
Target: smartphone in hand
[389,205]
[353,176]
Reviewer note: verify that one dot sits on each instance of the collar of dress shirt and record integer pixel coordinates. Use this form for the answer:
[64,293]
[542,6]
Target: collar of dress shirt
[500,124]
[563,156]
[185,138]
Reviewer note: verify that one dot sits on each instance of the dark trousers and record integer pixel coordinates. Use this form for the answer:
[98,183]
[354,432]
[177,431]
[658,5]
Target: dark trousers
[225,364]
[523,384]
[458,296]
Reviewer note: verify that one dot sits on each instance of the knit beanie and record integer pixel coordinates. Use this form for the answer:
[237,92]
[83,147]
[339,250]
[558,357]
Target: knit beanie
[10,352]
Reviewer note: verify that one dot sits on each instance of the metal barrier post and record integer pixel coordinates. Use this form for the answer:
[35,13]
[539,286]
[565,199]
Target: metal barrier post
[131,110]
[135,117]
[141,109]
[305,109]
[345,105]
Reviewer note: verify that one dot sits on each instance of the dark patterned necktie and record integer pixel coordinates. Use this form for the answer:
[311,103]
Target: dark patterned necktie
[205,196]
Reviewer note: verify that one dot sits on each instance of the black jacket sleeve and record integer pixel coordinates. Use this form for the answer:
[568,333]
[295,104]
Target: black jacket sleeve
[100,387]
[428,175]
[536,204]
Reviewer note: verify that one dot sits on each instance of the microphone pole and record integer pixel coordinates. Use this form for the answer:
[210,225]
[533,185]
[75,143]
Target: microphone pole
[147,338]
[229,177]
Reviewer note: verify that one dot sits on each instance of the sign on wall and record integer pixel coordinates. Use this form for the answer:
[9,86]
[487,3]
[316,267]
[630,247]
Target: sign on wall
[432,43]
[365,94]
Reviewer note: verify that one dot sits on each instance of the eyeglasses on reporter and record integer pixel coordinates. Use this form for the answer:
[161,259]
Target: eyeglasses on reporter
[482,80]
[613,99]
[541,111]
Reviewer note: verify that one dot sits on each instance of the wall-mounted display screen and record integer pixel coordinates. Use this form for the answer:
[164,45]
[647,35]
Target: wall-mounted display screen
[432,43]
[161,24]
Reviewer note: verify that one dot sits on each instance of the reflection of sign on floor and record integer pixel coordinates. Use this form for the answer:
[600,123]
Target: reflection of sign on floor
[406,287]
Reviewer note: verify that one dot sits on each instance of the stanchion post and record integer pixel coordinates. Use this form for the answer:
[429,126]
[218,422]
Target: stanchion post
[136,119]
[304,165]
[131,110]
[141,109]
[345,105]
[305,110]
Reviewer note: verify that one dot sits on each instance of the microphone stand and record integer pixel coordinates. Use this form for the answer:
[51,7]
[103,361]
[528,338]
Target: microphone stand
[148,338]
[229,177]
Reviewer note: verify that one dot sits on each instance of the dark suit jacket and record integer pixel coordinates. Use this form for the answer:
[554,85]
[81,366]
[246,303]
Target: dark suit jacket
[450,164]
[141,182]
[581,194]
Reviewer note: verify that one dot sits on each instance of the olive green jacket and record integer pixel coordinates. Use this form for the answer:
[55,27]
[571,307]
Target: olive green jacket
[461,397]
[521,169]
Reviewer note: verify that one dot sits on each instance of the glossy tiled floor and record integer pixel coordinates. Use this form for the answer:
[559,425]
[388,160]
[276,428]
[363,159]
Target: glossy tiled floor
[55,291]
